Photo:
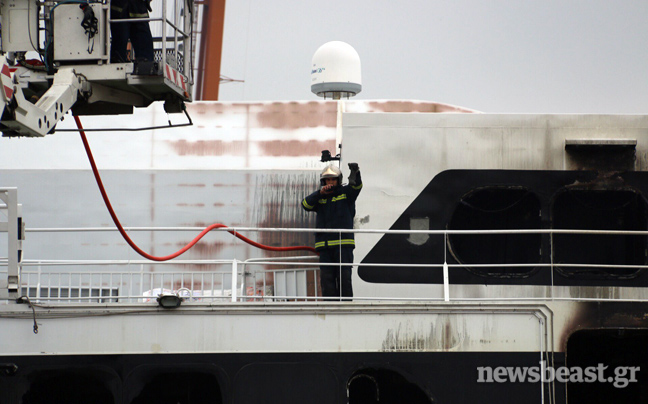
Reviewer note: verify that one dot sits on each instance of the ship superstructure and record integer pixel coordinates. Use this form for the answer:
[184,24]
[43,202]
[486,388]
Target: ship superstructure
[484,241]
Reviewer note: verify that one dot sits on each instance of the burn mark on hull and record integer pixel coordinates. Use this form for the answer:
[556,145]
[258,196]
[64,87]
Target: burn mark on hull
[585,315]
[444,334]
[604,315]
[623,314]
[601,157]
[280,207]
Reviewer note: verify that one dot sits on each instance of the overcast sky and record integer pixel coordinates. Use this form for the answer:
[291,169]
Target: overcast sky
[579,56]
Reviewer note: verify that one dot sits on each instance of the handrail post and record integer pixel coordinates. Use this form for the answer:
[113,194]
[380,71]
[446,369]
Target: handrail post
[243,281]
[551,254]
[446,275]
[234,279]
[188,40]
[163,57]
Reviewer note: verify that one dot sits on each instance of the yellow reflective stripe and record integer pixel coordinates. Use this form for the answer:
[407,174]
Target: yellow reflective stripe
[347,241]
[306,205]
[333,243]
[116,8]
[334,199]
[356,187]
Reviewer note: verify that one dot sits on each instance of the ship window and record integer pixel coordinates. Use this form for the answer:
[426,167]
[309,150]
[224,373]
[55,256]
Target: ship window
[70,387]
[496,208]
[312,383]
[622,350]
[383,386]
[599,210]
[180,387]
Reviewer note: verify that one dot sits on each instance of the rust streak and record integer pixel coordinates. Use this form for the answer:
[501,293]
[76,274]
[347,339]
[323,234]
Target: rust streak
[295,148]
[274,148]
[293,115]
[208,147]
[229,185]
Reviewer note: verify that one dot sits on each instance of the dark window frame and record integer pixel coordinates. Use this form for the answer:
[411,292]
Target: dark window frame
[504,273]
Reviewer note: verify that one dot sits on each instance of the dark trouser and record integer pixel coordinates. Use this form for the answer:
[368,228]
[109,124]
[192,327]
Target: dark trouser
[332,277]
[139,34]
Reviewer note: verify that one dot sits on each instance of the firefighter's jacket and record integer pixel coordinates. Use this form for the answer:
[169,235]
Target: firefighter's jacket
[129,9]
[334,211]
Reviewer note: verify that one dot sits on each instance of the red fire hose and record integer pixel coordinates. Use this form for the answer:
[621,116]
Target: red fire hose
[185,248]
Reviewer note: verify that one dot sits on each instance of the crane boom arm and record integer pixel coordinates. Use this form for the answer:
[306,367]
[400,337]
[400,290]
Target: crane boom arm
[37,119]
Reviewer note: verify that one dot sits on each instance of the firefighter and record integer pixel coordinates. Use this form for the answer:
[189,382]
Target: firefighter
[138,32]
[334,204]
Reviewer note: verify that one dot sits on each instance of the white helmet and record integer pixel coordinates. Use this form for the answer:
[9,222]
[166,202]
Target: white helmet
[331,171]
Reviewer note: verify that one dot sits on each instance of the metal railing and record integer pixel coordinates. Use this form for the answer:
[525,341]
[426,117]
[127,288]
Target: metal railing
[122,286]
[254,279]
[221,280]
[171,26]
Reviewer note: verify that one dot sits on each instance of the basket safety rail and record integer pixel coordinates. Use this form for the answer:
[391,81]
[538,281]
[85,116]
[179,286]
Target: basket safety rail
[171,26]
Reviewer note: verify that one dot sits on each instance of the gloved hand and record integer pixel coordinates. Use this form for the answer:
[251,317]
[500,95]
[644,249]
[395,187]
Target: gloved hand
[326,189]
[89,22]
[354,173]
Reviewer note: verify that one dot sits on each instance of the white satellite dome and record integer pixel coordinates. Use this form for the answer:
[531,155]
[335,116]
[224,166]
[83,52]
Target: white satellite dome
[336,71]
